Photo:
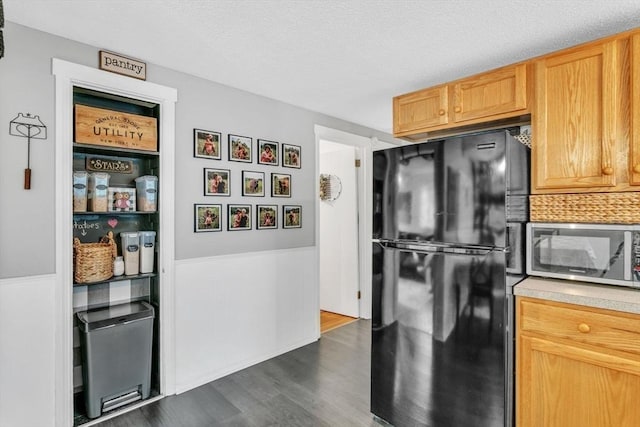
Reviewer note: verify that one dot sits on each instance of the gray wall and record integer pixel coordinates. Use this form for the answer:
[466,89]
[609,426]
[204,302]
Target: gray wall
[27,216]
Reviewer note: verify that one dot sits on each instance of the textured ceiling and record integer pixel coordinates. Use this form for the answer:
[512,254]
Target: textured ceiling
[344,58]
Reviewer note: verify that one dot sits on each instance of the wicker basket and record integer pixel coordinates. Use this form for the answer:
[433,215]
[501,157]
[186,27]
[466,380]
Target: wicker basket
[596,208]
[93,262]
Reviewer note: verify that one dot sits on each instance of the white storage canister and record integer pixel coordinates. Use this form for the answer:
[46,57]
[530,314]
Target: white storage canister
[147,189]
[147,250]
[98,191]
[131,253]
[80,179]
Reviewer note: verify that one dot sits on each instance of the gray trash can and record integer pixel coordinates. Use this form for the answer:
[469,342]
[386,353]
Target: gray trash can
[116,355]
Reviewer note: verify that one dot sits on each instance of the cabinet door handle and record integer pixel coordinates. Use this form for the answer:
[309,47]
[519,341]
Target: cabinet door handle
[584,328]
[607,170]
[636,168]
[457,109]
[441,112]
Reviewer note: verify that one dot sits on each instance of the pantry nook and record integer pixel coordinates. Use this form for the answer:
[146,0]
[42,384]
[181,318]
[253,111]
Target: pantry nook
[115,177]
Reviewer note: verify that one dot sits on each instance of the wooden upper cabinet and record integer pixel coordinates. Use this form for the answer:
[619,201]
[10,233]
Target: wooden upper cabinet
[634,155]
[494,95]
[498,92]
[578,118]
[419,110]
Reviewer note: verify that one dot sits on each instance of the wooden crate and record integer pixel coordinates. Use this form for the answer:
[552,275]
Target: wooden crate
[97,126]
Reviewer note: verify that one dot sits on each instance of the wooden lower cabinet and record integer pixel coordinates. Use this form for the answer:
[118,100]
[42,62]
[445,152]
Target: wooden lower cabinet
[576,366]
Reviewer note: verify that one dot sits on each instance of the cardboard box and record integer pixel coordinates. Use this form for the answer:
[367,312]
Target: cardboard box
[122,199]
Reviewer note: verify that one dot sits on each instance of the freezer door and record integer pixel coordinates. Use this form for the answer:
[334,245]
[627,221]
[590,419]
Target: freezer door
[452,191]
[438,342]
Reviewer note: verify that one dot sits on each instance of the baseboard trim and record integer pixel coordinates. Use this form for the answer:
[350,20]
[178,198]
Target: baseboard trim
[212,376]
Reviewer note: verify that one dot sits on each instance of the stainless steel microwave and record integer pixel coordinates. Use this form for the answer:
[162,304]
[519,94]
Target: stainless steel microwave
[598,253]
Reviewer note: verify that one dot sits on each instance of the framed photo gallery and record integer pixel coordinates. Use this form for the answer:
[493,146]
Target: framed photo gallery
[219,182]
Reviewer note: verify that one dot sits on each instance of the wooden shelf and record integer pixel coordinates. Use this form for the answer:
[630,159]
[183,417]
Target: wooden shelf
[113,213]
[112,151]
[119,279]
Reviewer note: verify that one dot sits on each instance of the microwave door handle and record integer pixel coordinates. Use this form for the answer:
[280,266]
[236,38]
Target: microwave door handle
[628,240]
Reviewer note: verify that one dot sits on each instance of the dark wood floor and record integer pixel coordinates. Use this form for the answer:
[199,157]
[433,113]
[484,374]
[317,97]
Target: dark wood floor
[322,384]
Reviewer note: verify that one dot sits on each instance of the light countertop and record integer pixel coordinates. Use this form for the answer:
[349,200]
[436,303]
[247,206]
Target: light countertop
[582,293]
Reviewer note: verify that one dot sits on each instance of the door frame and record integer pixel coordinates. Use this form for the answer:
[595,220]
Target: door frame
[66,76]
[364,179]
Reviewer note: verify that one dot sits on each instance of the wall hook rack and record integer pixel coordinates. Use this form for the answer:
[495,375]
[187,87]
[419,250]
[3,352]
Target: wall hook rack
[28,126]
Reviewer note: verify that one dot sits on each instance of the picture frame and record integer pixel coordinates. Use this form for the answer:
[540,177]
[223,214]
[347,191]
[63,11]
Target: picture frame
[292,216]
[239,217]
[291,156]
[240,148]
[268,152]
[280,185]
[252,183]
[217,182]
[266,217]
[206,144]
[207,218]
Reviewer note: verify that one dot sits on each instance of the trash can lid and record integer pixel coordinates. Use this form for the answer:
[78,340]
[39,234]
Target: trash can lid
[114,315]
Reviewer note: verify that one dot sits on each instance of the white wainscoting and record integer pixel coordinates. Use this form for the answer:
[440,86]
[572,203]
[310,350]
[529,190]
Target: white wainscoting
[238,310]
[231,312]
[27,350]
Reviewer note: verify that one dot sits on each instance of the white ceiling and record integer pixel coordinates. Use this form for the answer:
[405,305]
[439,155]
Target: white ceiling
[343,58]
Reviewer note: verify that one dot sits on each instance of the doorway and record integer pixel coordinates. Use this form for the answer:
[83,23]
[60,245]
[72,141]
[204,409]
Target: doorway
[339,246]
[359,232]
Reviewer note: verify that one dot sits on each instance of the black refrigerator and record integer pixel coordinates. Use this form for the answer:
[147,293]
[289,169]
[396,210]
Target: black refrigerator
[448,236]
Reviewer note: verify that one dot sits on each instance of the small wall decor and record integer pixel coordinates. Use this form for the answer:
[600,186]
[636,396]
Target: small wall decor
[268,152]
[252,183]
[280,185]
[292,216]
[206,144]
[267,217]
[216,182]
[28,126]
[330,187]
[240,148]
[239,217]
[291,156]
[207,218]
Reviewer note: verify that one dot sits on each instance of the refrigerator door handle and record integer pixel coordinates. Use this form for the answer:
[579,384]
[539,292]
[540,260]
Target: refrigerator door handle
[436,247]
[409,246]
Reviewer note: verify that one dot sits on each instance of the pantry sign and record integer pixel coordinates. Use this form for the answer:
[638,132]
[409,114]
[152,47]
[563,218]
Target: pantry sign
[97,126]
[122,65]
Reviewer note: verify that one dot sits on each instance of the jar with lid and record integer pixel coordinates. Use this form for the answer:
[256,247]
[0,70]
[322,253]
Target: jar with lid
[118,266]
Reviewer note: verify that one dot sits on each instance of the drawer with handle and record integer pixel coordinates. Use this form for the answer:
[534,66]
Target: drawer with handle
[610,329]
